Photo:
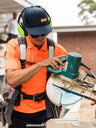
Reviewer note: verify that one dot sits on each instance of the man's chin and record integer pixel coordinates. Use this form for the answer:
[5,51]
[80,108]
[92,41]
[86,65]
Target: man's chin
[40,42]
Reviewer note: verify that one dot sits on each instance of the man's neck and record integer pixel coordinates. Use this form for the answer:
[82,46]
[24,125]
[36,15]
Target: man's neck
[39,47]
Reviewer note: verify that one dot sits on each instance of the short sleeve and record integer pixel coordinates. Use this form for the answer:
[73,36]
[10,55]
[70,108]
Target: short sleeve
[12,62]
[60,50]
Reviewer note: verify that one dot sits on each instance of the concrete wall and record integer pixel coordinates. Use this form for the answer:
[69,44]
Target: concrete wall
[83,43]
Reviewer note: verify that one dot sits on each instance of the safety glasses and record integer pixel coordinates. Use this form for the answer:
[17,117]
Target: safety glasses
[36,36]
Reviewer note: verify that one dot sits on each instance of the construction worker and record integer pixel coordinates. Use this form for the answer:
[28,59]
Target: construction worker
[36,24]
[12,25]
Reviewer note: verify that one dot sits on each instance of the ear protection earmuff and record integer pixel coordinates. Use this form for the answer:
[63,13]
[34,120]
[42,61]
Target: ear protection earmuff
[20,25]
[21,30]
[50,22]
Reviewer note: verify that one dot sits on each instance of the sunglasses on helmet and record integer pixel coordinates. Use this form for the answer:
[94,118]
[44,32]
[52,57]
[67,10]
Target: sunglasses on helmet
[36,36]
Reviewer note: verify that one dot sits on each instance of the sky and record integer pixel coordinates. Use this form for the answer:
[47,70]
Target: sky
[62,12]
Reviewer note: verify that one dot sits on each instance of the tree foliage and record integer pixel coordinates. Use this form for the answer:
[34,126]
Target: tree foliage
[87,11]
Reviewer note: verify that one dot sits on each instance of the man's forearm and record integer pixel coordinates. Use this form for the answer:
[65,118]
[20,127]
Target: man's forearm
[18,77]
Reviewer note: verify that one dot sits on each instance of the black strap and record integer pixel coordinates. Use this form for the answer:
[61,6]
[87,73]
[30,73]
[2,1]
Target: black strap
[49,43]
[14,97]
[21,40]
[36,97]
[52,111]
[9,107]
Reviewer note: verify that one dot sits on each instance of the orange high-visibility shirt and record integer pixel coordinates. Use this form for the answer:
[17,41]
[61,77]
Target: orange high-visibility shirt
[37,84]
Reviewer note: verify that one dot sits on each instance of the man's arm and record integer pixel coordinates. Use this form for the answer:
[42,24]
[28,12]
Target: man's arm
[5,28]
[18,77]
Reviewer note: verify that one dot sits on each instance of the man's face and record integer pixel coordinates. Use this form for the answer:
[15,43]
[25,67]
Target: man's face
[14,15]
[37,41]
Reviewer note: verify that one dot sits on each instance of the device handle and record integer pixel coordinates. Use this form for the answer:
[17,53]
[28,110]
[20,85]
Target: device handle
[49,68]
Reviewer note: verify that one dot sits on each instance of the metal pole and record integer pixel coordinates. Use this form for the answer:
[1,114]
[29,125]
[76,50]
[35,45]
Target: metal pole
[36,125]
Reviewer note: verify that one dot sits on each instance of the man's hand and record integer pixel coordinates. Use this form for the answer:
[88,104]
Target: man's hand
[93,103]
[52,62]
[5,31]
